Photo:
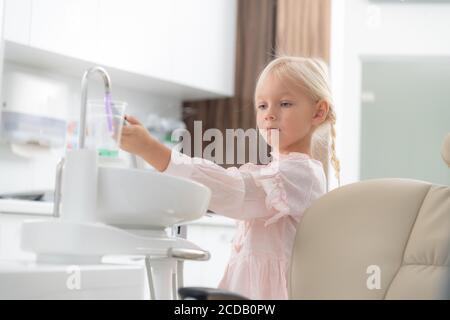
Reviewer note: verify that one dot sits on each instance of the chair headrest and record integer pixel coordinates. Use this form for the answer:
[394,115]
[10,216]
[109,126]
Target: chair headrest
[446,149]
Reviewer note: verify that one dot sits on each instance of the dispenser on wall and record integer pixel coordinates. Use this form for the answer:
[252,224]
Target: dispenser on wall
[23,128]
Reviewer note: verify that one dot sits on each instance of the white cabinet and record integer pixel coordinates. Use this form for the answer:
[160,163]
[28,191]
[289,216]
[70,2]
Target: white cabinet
[134,36]
[203,43]
[186,44]
[214,237]
[190,42]
[17,21]
[68,27]
[2,42]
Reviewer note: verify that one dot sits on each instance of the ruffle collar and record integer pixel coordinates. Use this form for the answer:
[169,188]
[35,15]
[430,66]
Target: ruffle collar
[290,155]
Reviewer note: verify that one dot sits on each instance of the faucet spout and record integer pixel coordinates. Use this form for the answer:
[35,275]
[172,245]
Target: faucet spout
[84,96]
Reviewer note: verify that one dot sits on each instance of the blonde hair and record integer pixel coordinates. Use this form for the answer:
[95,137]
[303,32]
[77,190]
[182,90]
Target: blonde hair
[311,75]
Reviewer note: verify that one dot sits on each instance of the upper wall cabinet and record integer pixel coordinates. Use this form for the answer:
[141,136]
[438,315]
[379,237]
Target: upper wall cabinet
[17,21]
[203,43]
[68,27]
[134,35]
[187,42]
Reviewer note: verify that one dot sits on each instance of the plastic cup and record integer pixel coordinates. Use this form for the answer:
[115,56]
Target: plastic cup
[104,127]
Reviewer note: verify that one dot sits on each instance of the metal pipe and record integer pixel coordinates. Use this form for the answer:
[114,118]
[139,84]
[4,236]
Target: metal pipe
[188,254]
[84,96]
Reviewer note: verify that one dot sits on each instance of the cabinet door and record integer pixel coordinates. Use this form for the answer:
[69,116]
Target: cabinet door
[134,36]
[203,43]
[215,239]
[17,21]
[68,27]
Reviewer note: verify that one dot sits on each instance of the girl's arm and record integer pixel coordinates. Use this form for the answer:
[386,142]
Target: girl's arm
[227,185]
[235,194]
[255,192]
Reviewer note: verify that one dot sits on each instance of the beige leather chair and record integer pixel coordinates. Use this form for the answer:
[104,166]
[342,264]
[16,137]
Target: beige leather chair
[377,239]
[394,229]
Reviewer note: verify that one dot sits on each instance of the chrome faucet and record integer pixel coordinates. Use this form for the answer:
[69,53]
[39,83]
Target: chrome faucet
[84,96]
[82,131]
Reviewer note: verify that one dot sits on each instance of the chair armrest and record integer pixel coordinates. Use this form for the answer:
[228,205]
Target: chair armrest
[199,293]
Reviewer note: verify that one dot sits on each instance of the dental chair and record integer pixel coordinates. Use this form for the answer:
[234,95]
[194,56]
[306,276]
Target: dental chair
[375,239]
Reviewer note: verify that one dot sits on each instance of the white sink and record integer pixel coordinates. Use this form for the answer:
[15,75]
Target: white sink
[139,199]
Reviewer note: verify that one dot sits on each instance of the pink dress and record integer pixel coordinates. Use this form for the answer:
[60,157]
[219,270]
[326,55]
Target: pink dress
[268,202]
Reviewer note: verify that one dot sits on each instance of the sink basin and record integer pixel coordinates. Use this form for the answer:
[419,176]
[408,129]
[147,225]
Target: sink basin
[144,199]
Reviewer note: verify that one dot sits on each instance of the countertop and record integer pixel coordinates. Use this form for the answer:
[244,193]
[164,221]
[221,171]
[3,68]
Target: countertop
[29,280]
[26,207]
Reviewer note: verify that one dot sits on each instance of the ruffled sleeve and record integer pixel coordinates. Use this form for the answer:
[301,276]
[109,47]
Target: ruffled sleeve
[288,186]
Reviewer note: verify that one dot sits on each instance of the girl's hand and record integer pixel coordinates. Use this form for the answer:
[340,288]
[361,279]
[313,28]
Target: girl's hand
[136,139]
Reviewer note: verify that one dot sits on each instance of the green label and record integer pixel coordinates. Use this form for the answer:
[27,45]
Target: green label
[108,153]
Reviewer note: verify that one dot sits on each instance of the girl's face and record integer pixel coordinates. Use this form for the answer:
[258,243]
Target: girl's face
[282,106]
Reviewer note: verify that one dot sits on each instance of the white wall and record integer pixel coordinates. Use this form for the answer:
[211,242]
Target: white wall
[40,92]
[363,28]
[405,114]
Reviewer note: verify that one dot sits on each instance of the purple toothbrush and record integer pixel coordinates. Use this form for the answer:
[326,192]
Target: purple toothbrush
[109,111]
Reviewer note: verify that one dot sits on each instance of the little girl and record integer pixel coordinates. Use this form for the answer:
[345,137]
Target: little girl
[293,97]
